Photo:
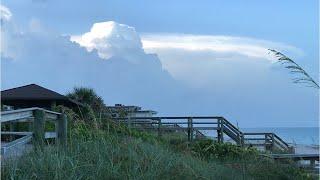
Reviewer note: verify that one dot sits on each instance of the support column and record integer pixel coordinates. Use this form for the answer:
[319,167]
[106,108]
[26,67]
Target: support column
[312,163]
[11,129]
[159,127]
[221,130]
[129,123]
[62,130]
[266,143]
[189,131]
[272,141]
[191,128]
[38,126]
[218,131]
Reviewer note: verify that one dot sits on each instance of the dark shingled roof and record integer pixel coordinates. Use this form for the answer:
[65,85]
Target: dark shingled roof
[33,92]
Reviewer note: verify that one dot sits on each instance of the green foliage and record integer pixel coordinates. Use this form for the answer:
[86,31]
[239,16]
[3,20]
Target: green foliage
[208,148]
[88,97]
[93,105]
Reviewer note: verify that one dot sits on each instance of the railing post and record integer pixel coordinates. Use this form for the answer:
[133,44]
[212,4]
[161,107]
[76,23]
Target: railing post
[221,131]
[239,142]
[159,127]
[62,129]
[11,128]
[272,141]
[312,163]
[129,122]
[190,121]
[38,126]
[242,140]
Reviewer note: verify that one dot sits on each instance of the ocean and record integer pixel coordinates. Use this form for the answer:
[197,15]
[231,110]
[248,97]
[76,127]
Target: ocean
[292,135]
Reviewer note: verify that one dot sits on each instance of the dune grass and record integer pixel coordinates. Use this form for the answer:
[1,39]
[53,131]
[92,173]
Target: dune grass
[101,155]
[119,153]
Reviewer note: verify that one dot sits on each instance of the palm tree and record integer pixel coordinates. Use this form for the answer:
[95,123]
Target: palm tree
[94,107]
[295,68]
[87,96]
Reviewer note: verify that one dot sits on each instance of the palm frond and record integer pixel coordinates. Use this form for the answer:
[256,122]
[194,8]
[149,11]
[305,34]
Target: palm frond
[295,68]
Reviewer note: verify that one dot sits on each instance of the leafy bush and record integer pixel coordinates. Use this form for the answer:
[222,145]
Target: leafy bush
[208,148]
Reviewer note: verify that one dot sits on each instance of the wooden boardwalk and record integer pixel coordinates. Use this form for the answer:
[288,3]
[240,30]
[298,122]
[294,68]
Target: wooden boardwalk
[196,125]
[36,118]
[193,127]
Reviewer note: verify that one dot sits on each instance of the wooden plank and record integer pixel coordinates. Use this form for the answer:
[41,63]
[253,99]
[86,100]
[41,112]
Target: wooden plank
[24,115]
[17,111]
[38,126]
[50,116]
[175,117]
[254,139]
[28,109]
[49,135]
[62,130]
[15,116]
[18,142]
[15,133]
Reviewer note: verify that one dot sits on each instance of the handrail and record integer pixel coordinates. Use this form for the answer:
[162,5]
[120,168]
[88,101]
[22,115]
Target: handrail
[236,131]
[28,109]
[276,136]
[271,137]
[172,117]
[230,124]
[222,124]
[15,133]
[26,113]
[259,133]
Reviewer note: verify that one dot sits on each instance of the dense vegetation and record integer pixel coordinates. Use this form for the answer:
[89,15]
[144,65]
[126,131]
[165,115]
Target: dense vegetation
[102,149]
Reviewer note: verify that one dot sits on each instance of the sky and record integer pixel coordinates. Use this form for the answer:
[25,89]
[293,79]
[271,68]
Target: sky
[175,57]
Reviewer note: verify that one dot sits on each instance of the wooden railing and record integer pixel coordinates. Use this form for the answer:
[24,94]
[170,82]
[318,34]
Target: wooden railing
[192,126]
[36,117]
[270,141]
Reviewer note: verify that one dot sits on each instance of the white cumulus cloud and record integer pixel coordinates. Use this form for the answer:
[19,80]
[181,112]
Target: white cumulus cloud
[110,39]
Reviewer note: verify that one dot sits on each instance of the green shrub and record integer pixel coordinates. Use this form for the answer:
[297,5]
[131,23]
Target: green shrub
[208,148]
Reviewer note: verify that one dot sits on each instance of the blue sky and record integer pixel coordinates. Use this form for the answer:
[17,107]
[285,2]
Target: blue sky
[187,66]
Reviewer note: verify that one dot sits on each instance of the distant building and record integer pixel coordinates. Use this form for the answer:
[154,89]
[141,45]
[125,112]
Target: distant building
[33,95]
[119,110]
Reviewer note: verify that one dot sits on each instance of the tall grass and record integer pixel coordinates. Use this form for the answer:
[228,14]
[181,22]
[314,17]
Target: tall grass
[118,154]
[99,155]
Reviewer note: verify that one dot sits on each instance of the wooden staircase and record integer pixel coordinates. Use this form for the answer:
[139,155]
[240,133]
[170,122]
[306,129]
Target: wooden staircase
[192,127]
